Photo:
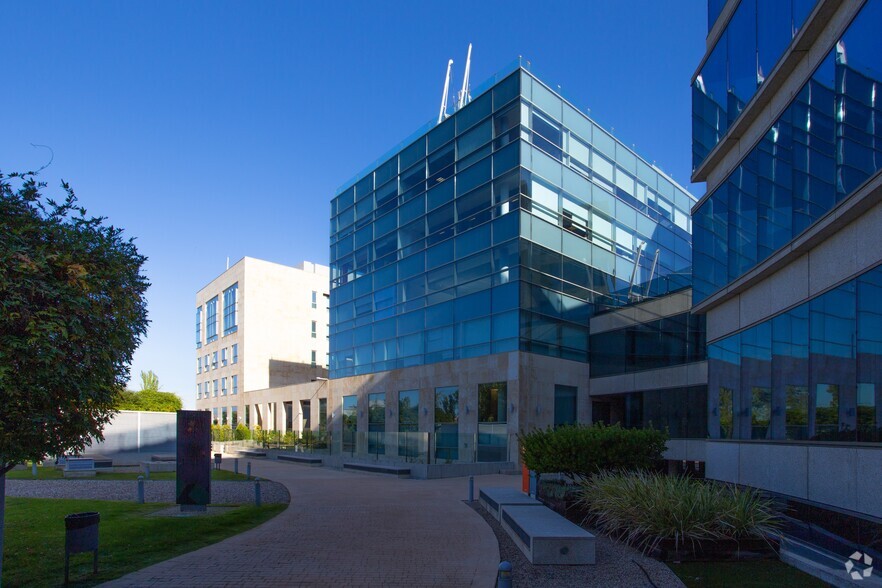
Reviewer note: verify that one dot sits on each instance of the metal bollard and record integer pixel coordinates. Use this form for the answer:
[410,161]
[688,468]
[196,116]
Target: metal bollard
[503,576]
[147,471]
[140,489]
[248,469]
[236,466]
[471,488]
[257,500]
[34,469]
[533,482]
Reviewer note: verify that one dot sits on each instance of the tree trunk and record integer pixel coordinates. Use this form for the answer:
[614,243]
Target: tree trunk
[2,515]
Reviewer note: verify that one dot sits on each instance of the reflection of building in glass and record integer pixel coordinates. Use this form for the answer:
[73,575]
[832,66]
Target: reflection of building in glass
[787,260]
[468,267]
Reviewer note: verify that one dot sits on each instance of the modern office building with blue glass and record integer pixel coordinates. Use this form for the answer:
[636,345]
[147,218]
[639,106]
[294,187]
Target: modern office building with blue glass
[787,133]
[468,264]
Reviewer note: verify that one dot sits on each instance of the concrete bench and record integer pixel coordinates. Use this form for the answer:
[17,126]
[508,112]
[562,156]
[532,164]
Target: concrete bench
[164,457]
[251,452]
[304,459]
[376,468]
[545,537]
[493,499]
[79,467]
[102,462]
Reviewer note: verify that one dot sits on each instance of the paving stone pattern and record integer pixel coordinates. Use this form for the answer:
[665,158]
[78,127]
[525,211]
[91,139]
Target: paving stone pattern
[347,529]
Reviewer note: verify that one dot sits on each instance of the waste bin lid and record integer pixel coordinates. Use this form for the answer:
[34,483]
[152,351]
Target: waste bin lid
[81,520]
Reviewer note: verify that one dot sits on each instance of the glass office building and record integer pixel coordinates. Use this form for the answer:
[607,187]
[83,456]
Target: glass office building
[823,147]
[504,228]
[787,261]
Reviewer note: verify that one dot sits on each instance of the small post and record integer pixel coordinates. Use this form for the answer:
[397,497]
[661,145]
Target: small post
[140,489]
[248,469]
[503,576]
[236,466]
[257,500]
[471,488]
[34,469]
[533,482]
[147,471]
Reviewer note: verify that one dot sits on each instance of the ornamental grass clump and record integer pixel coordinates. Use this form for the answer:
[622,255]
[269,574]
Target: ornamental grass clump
[643,509]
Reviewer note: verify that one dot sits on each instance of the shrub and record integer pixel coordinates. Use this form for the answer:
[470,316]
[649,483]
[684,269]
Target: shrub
[290,438]
[645,508]
[221,433]
[581,450]
[242,433]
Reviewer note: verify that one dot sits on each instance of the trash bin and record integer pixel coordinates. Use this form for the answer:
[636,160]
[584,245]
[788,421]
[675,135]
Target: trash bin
[217,460]
[81,536]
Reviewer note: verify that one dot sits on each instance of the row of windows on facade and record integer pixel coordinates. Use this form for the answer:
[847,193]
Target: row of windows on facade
[822,148]
[203,363]
[596,234]
[574,277]
[559,128]
[813,372]
[588,194]
[231,300]
[580,213]
[211,388]
[381,302]
[756,36]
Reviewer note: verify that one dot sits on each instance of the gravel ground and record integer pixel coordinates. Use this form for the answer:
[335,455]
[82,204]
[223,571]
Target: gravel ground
[154,490]
[617,565]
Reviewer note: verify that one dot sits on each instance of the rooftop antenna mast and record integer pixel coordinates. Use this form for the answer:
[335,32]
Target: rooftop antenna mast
[443,113]
[464,94]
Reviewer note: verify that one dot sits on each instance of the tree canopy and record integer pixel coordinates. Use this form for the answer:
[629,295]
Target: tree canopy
[149,398]
[72,312]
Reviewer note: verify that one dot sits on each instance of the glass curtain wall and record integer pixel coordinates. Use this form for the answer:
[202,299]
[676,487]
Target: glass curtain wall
[504,227]
[811,373]
[755,38]
[665,342]
[819,151]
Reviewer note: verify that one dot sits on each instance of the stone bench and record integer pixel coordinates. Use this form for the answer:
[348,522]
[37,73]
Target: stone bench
[251,452]
[164,457]
[376,468]
[545,537]
[304,459]
[493,499]
[79,467]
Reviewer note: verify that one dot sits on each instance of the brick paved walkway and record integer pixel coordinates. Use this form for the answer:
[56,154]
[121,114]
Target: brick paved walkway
[348,529]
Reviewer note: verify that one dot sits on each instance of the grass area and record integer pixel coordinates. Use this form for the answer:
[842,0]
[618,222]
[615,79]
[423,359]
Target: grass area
[745,574]
[51,473]
[129,538]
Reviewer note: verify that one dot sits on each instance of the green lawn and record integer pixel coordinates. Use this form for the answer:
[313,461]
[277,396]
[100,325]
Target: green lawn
[51,473]
[129,539]
[748,574]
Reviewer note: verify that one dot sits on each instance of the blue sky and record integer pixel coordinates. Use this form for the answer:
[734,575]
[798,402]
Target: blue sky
[222,129]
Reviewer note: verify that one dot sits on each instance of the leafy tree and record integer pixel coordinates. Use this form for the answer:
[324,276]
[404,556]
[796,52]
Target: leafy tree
[149,382]
[149,398]
[72,312]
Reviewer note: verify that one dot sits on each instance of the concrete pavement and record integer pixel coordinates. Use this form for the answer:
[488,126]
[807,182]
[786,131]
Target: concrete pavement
[348,529]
